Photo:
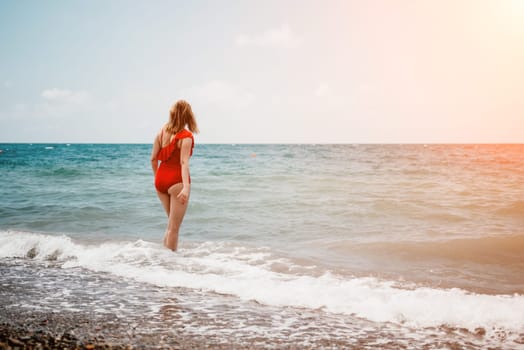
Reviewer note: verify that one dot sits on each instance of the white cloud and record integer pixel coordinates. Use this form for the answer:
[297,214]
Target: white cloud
[62,103]
[278,37]
[322,90]
[7,84]
[64,95]
[220,94]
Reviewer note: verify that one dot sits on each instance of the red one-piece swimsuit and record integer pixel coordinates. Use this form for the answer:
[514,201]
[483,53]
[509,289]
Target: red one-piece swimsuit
[170,171]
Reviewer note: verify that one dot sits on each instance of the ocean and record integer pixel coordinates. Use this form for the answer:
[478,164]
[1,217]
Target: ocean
[361,246]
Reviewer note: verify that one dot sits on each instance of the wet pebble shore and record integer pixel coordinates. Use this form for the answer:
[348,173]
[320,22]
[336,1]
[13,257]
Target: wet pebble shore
[20,338]
[49,330]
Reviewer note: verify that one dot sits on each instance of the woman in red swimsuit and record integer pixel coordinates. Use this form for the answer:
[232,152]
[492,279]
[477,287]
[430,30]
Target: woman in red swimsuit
[173,146]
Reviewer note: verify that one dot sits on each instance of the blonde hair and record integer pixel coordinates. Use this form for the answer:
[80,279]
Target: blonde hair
[180,116]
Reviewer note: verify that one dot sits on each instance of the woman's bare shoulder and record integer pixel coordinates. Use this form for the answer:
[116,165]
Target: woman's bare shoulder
[165,136]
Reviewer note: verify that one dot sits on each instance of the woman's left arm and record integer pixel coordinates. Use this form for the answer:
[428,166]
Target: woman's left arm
[185,153]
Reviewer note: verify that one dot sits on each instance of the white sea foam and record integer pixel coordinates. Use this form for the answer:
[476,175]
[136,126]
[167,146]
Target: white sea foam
[246,273]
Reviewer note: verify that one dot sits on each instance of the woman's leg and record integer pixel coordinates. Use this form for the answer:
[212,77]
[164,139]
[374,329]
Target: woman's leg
[176,215]
[164,198]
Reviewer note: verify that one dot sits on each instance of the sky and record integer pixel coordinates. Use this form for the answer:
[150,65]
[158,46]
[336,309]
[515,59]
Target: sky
[322,71]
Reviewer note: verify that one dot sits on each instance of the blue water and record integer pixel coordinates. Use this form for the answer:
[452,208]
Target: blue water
[323,226]
[82,190]
[263,192]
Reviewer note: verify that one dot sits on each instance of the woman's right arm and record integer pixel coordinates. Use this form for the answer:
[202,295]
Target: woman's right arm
[154,153]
